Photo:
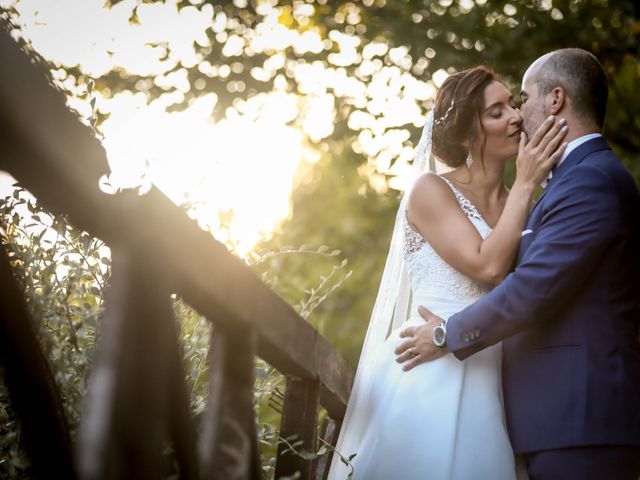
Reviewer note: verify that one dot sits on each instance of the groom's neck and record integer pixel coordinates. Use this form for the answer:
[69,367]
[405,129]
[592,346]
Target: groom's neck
[579,127]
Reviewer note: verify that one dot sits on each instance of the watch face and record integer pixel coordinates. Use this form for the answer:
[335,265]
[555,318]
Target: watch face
[439,336]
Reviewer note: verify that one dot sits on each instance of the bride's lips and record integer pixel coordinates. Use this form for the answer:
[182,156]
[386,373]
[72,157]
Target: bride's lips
[515,134]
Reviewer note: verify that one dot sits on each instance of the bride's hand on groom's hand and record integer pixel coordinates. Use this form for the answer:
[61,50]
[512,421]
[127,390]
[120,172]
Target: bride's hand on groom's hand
[419,347]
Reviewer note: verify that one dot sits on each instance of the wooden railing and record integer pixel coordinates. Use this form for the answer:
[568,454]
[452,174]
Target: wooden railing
[137,397]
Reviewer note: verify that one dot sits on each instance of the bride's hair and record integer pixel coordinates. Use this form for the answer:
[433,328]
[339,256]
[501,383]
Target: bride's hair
[457,114]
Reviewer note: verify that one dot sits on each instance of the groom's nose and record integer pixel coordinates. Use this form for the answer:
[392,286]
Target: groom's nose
[518,114]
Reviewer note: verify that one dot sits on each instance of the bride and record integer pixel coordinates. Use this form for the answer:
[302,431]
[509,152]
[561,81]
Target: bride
[456,236]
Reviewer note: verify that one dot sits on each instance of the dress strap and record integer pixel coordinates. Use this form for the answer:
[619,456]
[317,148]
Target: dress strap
[467,207]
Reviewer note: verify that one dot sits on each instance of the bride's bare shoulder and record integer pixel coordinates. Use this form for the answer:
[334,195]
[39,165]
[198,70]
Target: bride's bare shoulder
[430,194]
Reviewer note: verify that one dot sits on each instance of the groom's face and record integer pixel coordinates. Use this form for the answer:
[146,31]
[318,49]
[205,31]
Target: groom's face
[532,109]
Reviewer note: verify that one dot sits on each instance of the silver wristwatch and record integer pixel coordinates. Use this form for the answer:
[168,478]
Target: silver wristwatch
[440,335]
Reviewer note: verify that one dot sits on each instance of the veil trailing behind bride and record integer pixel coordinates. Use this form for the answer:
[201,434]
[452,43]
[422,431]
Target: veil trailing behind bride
[442,420]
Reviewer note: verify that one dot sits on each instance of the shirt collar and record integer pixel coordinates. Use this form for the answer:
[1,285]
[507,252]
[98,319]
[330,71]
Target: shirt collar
[573,144]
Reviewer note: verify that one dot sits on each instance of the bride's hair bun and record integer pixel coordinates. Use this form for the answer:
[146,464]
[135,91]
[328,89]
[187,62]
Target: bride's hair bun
[457,113]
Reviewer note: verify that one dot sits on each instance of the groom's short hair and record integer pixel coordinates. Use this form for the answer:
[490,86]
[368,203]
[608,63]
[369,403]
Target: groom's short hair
[581,76]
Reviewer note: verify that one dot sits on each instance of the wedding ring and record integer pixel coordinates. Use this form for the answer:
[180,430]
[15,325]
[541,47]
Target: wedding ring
[413,353]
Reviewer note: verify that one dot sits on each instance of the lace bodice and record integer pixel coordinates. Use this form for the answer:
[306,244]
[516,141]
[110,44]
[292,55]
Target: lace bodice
[429,273]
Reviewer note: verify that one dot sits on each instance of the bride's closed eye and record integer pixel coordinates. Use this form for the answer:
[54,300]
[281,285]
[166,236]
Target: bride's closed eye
[495,111]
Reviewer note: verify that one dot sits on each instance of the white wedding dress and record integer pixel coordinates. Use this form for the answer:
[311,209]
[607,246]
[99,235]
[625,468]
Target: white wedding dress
[442,420]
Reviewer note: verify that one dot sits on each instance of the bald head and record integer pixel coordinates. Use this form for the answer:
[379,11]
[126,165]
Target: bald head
[579,74]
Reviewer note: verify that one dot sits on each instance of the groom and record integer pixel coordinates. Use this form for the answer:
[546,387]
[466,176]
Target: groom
[570,312]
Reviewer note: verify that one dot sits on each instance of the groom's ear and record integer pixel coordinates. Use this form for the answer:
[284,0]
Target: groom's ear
[556,100]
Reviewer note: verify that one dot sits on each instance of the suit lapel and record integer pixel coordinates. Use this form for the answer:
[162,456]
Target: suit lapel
[574,158]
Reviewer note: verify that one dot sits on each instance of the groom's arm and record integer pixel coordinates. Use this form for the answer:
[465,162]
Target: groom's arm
[572,238]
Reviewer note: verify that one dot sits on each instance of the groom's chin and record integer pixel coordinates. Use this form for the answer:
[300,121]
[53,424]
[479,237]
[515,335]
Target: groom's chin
[529,130]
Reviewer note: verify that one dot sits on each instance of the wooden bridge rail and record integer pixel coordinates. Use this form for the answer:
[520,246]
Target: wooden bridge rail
[137,397]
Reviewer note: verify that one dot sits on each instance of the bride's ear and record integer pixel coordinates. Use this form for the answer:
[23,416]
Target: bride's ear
[468,141]
[557,99]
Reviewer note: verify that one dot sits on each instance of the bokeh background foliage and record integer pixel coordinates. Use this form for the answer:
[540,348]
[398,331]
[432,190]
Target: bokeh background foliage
[366,60]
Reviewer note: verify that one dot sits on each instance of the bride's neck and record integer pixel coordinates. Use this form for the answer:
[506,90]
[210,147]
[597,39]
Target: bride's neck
[484,180]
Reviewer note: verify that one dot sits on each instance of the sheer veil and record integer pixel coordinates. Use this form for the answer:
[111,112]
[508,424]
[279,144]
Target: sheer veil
[390,310]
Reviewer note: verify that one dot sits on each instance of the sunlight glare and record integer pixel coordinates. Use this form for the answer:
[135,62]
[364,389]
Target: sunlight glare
[243,165]
[240,164]
[237,174]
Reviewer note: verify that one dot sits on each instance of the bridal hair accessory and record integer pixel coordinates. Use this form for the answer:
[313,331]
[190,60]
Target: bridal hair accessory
[442,119]
[469,160]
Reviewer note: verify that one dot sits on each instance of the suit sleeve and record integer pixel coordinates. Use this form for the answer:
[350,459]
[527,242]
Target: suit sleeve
[580,222]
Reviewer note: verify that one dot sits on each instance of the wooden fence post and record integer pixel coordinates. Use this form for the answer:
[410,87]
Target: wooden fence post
[330,431]
[228,444]
[128,407]
[182,432]
[33,392]
[299,423]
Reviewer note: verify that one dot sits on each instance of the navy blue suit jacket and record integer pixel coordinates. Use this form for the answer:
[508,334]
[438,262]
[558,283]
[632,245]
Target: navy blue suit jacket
[569,314]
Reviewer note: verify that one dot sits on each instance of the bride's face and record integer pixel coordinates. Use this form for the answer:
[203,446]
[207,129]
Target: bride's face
[501,123]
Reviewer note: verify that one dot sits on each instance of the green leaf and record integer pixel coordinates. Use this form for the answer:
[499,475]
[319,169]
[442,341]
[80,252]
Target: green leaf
[308,455]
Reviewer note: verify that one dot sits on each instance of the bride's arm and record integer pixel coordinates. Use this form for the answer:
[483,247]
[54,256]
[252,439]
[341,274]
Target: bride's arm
[435,212]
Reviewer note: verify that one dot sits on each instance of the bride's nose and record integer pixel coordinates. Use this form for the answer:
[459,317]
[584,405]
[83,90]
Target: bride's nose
[516,116]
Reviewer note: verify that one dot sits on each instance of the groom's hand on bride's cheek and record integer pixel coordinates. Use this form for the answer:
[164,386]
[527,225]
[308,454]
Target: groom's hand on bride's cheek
[418,347]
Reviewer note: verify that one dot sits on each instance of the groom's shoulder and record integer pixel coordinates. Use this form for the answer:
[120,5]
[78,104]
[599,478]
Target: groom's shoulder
[601,177]
[606,165]
[594,176]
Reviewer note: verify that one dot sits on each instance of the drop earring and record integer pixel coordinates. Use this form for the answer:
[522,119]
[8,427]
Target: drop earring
[469,160]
